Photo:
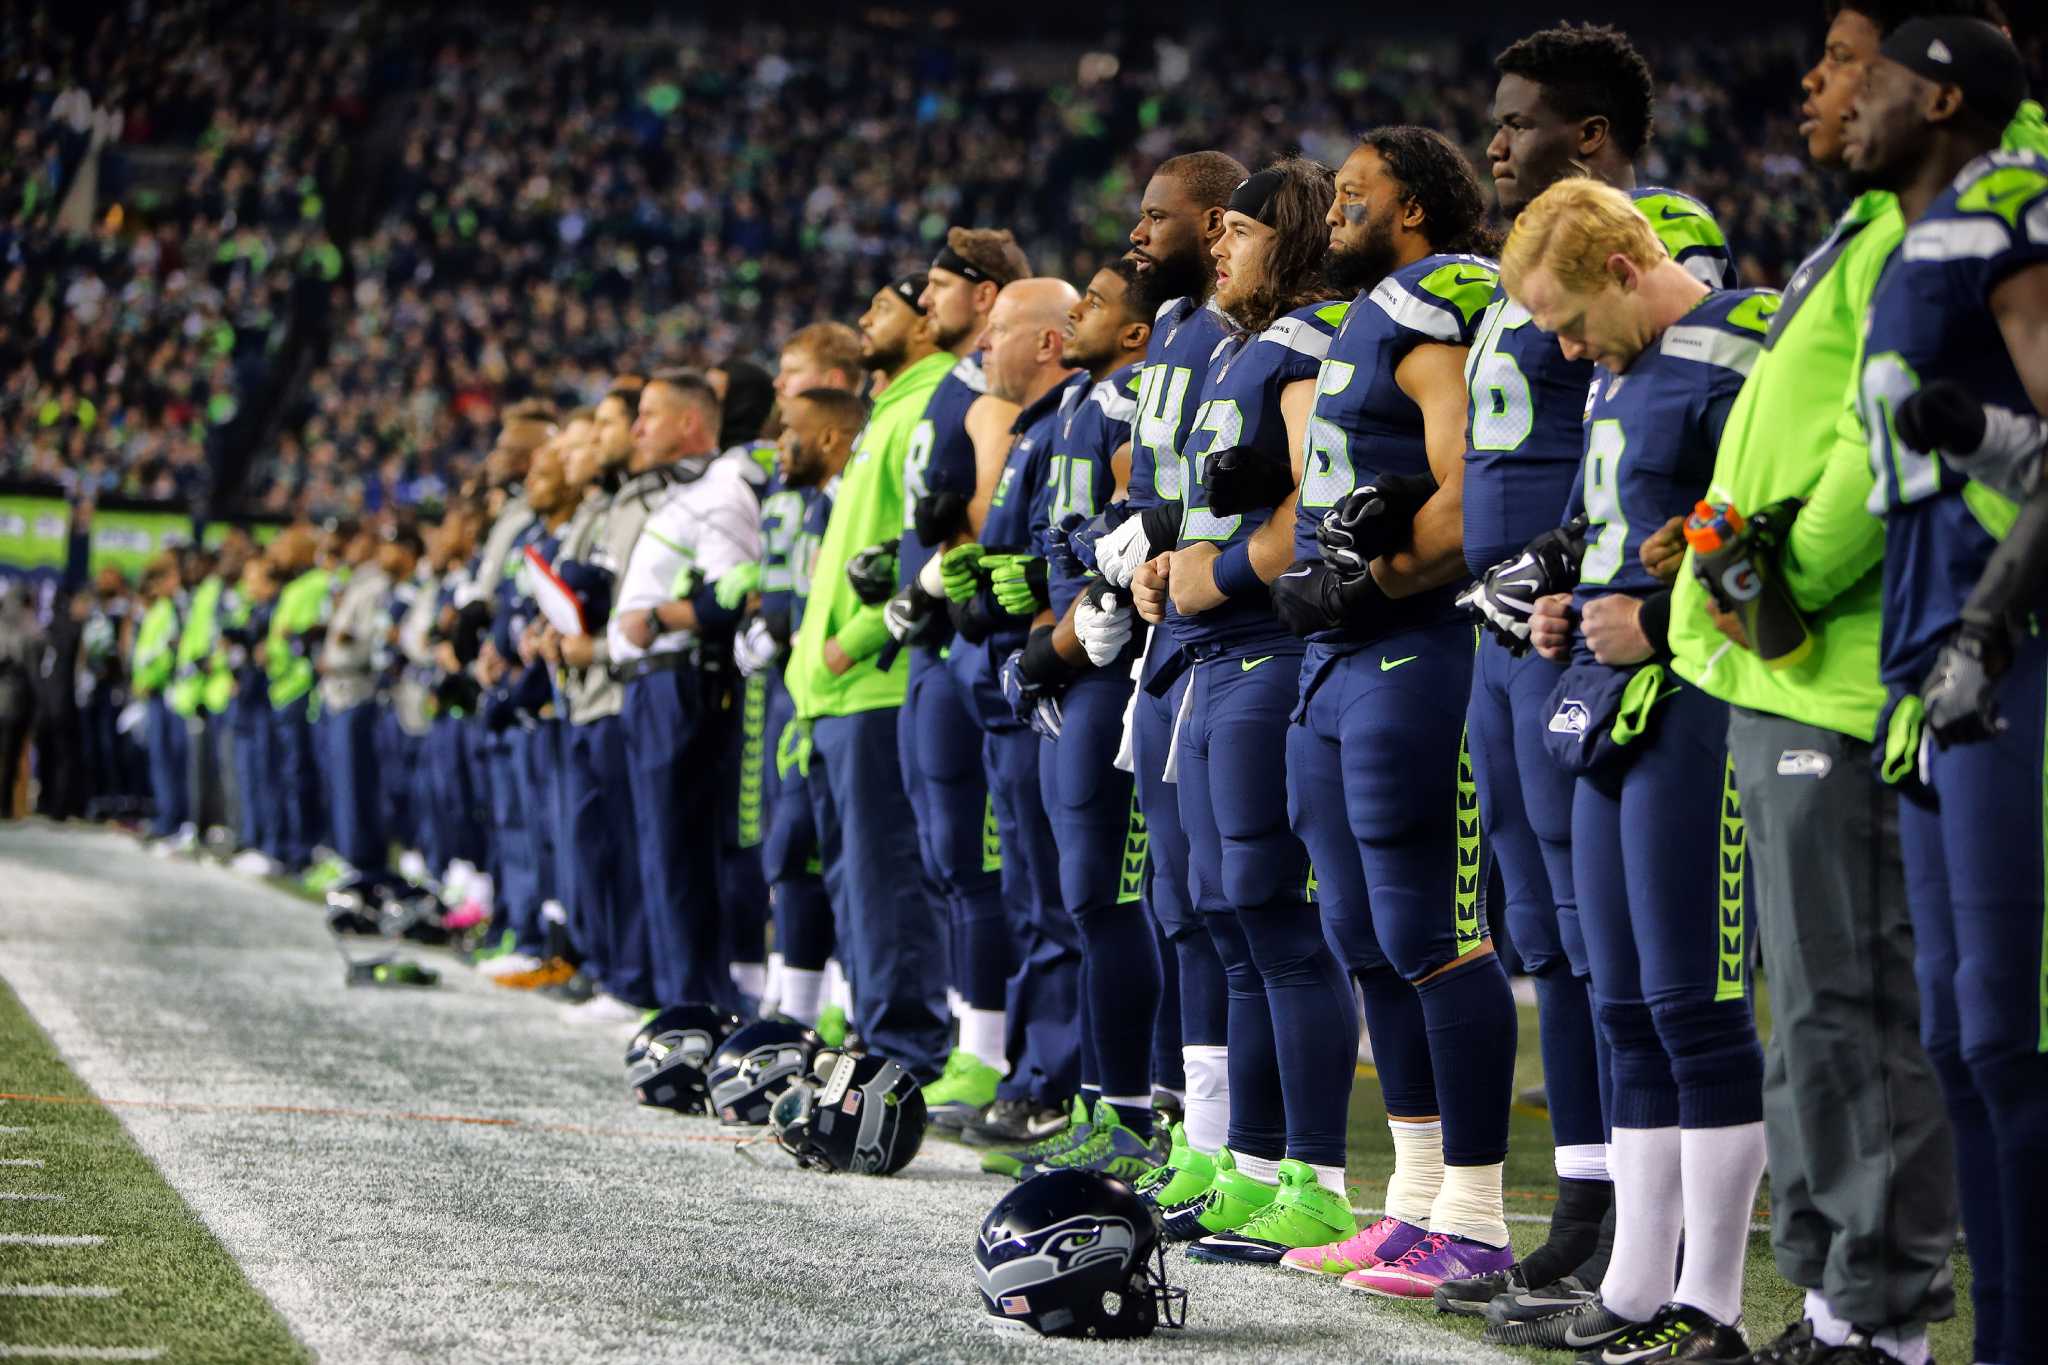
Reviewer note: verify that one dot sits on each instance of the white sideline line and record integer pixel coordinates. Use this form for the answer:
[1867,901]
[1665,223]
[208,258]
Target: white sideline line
[47,1239]
[80,1352]
[56,1291]
[33,1198]
[12,1128]
[20,1161]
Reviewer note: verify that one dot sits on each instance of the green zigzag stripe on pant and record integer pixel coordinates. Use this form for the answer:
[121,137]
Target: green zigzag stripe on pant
[1731,980]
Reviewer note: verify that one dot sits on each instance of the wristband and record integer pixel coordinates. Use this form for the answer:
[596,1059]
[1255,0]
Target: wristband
[1042,664]
[1233,571]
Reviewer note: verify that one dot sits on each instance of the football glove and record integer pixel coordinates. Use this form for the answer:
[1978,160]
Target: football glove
[1244,479]
[1082,538]
[1505,596]
[1103,622]
[1993,445]
[911,615]
[1943,416]
[1033,704]
[1019,583]
[1310,596]
[938,517]
[754,649]
[733,586]
[1960,694]
[1371,520]
[872,572]
[1153,532]
[960,571]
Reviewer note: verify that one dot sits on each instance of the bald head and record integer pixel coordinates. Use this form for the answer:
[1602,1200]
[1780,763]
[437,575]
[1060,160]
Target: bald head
[1021,350]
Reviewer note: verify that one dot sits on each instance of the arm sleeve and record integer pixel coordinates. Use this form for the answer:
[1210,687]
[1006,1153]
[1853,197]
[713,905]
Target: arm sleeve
[864,633]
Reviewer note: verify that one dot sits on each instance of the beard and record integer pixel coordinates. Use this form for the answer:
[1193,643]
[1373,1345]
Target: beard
[1186,275]
[884,356]
[950,337]
[1353,269]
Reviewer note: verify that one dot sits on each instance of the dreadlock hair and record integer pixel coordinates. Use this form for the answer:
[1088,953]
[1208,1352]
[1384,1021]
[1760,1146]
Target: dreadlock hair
[1434,174]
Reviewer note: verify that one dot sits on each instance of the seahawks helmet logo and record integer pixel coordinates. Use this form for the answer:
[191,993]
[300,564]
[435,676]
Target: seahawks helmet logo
[1011,1265]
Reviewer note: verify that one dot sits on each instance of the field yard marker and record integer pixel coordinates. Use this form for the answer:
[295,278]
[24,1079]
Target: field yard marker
[80,1352]
[56,1291]
[19,1161]
[47,1239]
[12,1128]
[33,1198]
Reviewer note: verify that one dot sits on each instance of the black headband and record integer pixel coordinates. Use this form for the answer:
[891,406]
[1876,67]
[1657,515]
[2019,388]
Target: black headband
[909,288]
[1255,193]
[949,259]
[1969,54]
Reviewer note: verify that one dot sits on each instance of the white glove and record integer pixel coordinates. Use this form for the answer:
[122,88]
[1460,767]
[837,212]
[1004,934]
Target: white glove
[1102,623]
[1119,553]
[755,649]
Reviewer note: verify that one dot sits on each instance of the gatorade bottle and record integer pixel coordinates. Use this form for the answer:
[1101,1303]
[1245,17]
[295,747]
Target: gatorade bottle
[1733,560]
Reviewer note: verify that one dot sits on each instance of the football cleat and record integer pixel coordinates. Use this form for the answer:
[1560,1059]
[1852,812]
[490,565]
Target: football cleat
[831,1026]
[1022,1114]
[552,972]
[1592,1323]
[1675,1332]
[508,964]
[1012,1123]
[1109,1148]
[1182,1176]
[1387,1240]
[1228,1204]
[1302,1213]
[1797,1345]
[1436,1258]
[1469,1298]
[963,1090]
[1168,1109]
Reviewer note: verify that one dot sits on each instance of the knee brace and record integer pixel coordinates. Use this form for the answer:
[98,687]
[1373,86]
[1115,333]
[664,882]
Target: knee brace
[1715,1059]
[1645,1094]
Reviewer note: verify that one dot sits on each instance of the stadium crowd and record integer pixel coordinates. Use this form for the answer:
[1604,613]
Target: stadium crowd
[1103,688]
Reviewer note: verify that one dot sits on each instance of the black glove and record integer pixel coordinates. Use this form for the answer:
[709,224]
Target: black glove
[1244,479]
[1371,520]
[938,517]
[1505,596]
[872,572]
[1310,596]
[1944,416]
[911,615]
[1961,691]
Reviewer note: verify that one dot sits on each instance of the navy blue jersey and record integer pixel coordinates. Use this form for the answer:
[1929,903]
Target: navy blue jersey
[1524,433]
[940,458]
[1931,319]
[513,605]
[1094,423]
[1652,432]
[1185,336]
[803,549]
[1241,407]
[782,521]
[1364,427]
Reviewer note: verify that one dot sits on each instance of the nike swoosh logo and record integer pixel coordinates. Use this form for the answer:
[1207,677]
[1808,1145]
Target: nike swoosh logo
[1388,665]
[1303,572]
[1248,665]
[1471,279]
[1667,213]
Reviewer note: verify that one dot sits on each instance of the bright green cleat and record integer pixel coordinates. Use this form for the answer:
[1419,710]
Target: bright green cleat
[1109,1148]
[1301,1214]
[1228,1203]
[964,1089]
[1182,1176]
[831,1026]
[1073,1135]
[324,873]
[501,948]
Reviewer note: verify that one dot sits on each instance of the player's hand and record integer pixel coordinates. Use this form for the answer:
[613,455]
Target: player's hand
[1103,622]
[1506,595]
[578,650]
[1193,585]
[1030,702]
[639,628]
[1019,583]
[754,649]
[736,583]
[1960,695]
[1550,626]
[1119,552]
[1149,585]
[938,517]
[960,571]
[1664,549]
[872,572]
[910,615]
[1944,416]
[837,661]
[1371,520]
[1243,479]
[1614,630]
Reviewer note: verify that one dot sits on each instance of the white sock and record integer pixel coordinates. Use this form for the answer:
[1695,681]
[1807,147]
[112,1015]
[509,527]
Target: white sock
[1910,1349]
[1418,1170]
[1258,1168]
[981,1034]
[1722,1167]
[1142,1103]
[1648,1215]
[1586,1161]
[1208,1101]
[838,989]
[956,1003]
[554,912]
[483,891]
[412,866]
[1827,1326]
[771,994]
[750,977]
[802,992]
[1330,1178]
[1468,1204]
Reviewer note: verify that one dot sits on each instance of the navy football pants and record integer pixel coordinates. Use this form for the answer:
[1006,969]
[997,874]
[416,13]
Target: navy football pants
[672,764]
[1043,1001]
[600,833]
[789,846]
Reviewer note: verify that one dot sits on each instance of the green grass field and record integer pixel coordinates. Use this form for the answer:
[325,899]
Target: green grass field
[178,1290]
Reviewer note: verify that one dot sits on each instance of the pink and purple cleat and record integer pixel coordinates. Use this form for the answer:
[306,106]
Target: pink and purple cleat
[1437,1257]
[1386,1240]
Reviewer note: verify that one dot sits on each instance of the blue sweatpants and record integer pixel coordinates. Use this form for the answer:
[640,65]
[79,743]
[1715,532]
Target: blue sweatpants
[939,750]
[891,932]
[1194,979]
[1043,999]
[1975,869]
[1657,858]
[169,756]
[297,788]
[1101,842]
[601,834]
[1293,1024]
[789,846]
[516,867]
[395,756]
[742,817]
[255,770]
[672,754]
[354,790]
